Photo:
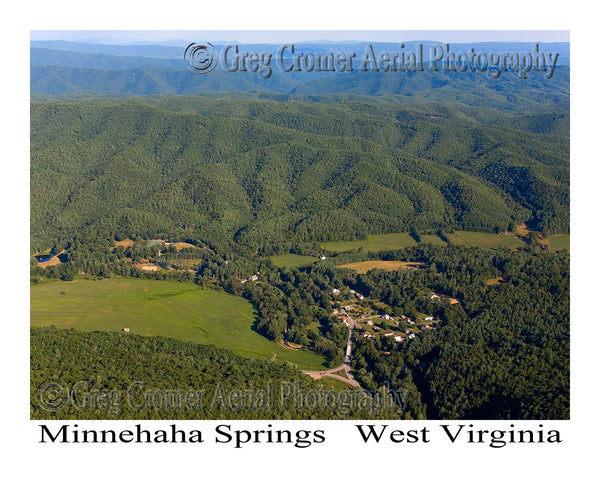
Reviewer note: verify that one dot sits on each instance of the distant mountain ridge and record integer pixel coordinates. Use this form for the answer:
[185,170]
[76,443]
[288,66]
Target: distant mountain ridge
[66,68]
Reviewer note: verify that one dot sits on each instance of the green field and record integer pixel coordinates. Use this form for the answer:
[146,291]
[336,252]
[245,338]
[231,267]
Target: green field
[397,241]
[154,307]
[485,240]
[373,243]
[292,260]
[434,239]
[364,267]
[560,242]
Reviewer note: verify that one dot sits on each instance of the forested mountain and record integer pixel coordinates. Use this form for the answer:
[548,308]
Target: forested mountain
[461,87]
[147,51]
[256,171]
[129,370]
[61,58]
[146,80]
[150,79]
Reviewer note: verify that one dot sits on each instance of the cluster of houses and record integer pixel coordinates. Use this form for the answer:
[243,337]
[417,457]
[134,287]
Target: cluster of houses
[357,295]
[253,278]
[409,333]
[398,337]
[435,296]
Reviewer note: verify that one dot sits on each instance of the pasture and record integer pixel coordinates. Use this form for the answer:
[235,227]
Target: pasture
[364,267]
[488,241]
[373,243]
[560,242]
[397,241]
[159,308]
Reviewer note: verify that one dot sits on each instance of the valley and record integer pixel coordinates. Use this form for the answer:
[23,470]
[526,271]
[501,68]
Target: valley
[373,230]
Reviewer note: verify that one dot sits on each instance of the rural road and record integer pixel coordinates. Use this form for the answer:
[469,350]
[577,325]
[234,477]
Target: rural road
[343,372]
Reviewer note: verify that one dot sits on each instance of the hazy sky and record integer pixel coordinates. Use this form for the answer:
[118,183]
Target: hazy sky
[179,37]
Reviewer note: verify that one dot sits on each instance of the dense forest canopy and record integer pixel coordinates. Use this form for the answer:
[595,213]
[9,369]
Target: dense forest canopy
[156,378]
[258,172]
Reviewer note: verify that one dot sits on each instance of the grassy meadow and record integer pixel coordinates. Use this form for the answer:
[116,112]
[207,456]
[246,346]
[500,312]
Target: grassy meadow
[485,240]
[560,242]
[154,307]
[373,243]
[364,267]
[397,241]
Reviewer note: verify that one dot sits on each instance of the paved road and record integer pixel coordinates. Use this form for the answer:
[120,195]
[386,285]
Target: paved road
[331,373]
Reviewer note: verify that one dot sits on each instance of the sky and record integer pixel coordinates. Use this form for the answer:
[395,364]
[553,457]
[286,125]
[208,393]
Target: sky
[181,37]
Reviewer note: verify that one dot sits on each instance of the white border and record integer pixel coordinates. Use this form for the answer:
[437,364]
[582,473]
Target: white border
[341,455]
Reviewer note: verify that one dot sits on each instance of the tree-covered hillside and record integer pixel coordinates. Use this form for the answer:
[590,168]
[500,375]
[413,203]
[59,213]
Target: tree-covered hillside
[257,172]
[116,376]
